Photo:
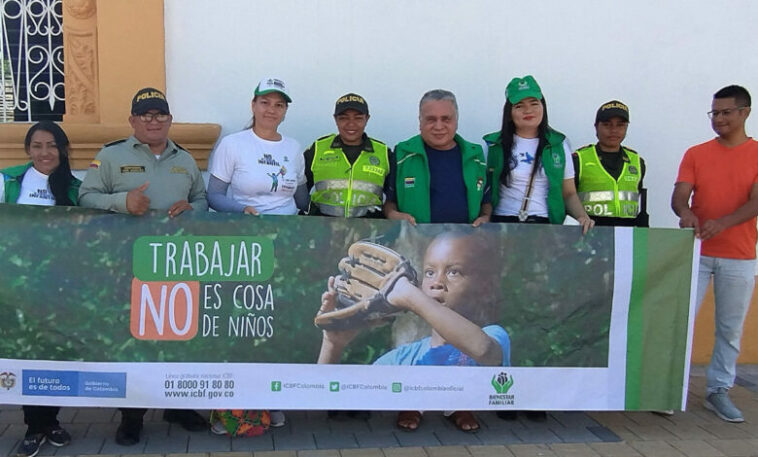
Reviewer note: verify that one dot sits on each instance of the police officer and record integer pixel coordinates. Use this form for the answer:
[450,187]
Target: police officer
[346,171]
[146,172]
[609,175]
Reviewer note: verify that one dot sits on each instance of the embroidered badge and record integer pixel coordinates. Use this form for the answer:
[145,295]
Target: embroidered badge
[180,170]
[132,169]
[409,182]
[94,164]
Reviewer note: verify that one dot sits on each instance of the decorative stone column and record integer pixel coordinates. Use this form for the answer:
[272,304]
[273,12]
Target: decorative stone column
[112,48]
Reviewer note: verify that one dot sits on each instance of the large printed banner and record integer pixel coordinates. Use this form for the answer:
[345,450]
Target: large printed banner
[217,311]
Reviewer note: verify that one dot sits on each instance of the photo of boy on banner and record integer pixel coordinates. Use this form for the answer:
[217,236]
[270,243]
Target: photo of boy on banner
[459,298]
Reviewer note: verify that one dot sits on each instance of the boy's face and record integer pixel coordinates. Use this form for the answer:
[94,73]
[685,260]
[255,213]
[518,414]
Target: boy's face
[450,275]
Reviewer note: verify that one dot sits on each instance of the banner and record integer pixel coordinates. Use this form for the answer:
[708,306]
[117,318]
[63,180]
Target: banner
[212,310]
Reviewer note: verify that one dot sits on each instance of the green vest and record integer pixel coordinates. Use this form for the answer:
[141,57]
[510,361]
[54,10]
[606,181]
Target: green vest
[413,180]
[604,196]
[342,190]
[12,183]
[553,162]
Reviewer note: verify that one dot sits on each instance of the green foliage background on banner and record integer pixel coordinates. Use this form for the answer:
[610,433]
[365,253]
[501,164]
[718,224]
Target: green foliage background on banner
[65,280]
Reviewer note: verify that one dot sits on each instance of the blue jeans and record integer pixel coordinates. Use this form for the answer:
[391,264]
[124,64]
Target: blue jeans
[733,281]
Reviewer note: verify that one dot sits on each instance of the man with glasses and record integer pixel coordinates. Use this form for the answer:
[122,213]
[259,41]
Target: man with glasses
[609,175]
[721,175]
[146,171]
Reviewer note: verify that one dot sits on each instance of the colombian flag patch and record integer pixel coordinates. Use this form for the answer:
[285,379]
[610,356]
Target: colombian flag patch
[410,182]
[94,164]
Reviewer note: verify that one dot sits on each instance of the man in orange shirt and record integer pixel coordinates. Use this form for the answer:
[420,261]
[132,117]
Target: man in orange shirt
[721,175]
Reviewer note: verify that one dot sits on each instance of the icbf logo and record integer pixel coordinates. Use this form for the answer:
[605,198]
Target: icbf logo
[7,380]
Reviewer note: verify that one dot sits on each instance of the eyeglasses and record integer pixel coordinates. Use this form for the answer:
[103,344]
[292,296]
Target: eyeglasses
[148,117]
[723,112]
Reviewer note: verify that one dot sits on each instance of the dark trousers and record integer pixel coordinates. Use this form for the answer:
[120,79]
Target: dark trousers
[132,414]
[40,418]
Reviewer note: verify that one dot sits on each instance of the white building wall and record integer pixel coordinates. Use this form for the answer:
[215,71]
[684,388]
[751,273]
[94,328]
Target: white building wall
[664,59]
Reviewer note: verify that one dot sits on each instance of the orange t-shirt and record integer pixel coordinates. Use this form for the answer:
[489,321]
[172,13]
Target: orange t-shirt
[722,179]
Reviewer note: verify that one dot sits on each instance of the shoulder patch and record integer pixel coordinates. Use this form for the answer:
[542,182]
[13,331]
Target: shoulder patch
[113,143]
[630,149]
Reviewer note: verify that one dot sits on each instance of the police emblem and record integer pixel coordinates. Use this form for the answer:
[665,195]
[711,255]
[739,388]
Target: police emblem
[7,380]
[632,169]
[373,160]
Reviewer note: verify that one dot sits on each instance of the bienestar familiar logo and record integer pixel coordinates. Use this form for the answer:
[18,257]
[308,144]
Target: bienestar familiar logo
[502,383]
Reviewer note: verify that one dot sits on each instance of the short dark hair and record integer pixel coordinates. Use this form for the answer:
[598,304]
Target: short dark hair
[739,93]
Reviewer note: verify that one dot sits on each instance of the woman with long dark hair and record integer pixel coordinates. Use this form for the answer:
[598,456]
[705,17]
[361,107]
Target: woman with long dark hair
[530,164]
[45,180]
[531,171]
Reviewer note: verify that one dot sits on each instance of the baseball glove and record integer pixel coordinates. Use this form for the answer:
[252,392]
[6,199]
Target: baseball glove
[367,276]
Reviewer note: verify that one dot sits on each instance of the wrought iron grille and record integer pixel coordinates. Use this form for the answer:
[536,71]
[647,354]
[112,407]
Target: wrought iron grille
[31,57]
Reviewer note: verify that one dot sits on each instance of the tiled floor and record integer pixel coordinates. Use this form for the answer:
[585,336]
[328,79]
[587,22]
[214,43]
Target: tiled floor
[694,433]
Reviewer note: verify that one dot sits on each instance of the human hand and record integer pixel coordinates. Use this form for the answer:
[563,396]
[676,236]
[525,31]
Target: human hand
[586,222]
[401,216]
[481,220]
[179,207]
[401,293]
[137,203]
[711,228]
[250,210]
[688,219]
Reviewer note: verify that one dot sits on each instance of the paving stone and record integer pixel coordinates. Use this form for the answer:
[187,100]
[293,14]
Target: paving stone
[263,442]
[405,452]
[275,454]
[447,451]
[423,437]
[306,424]
[208,442]
[11,416]
[696,448]
[651,432]
[191,454]
[161,441]
[531,450]
[8,445]
[89,438]
[143,455]
[350,426]
[623,433]
[363,452]
[735,448]
[573,419]
[494,436]
[619,449]
[294,440]
[376,439]
[457,438]
[655,448]
[688,432]
[604,433]
[575,435]
[573,450]
[95,415]
[727,431]
[335,440]
[489,451]
[612,418]
[319,453]
[382,422]
[531,435]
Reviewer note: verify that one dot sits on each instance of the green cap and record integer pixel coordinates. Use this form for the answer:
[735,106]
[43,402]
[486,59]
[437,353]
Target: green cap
[521,88]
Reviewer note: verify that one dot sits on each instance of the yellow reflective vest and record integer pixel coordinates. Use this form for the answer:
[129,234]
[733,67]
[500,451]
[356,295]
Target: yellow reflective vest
[604,196]
[342,190]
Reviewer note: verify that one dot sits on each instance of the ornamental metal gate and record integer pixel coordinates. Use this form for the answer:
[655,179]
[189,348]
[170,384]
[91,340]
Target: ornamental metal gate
[31,58]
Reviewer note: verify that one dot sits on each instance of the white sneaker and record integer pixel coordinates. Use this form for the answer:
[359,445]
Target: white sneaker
[218,428]
[277,418]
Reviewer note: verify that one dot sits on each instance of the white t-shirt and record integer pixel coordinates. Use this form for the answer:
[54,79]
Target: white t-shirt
[511,198]
[35,189]
[261,173]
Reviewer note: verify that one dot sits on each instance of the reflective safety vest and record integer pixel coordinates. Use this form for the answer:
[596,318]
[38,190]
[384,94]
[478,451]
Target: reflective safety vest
[342,190]
[602,195]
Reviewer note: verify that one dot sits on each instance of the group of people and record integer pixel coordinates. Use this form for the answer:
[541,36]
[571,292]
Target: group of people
[527,174]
